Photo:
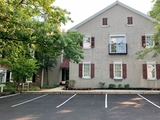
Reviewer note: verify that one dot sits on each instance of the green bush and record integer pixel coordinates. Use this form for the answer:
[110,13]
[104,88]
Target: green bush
[12,92]
[101,84]
[51,86]
[120,86]
[112,85]
[126,86]
[34,88]
[67,84]
[9,86]
[71,83]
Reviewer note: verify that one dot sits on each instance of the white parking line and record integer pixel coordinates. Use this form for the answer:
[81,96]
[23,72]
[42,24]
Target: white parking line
[106,101]
[66,101]
[149,101]
[28,101]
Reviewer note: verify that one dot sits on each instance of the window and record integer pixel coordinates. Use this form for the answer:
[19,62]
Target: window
[147,41]
[105,22]
[86,70]
[118,70]
[88,42]
[129,21]
[118,44]
[151,71]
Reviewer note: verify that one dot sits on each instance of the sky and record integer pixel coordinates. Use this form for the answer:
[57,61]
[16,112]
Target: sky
[82,9]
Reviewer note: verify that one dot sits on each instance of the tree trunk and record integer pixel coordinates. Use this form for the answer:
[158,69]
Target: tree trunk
[17,85]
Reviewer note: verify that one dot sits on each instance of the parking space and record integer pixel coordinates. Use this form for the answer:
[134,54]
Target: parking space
[154,98]
[80,107]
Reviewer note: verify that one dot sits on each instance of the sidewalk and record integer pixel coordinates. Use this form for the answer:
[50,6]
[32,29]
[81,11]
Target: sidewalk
[59,90]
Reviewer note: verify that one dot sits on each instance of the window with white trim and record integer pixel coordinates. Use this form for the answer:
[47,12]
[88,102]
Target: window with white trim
[118,44]
[86,70]
[147,41]
[118,70]
[151,70]
[87,42]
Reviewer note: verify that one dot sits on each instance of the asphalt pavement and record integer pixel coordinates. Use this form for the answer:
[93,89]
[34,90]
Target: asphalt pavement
[80,107]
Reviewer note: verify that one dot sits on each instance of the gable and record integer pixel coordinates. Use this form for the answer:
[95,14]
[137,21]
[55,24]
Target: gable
[117,3]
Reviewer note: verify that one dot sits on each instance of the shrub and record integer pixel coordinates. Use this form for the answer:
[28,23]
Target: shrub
[12,92]
[71,83]
[101,84]
[120,86]
[67,84]
[112,85]
[9,86]
[126,86]
[51,86]
[34,88]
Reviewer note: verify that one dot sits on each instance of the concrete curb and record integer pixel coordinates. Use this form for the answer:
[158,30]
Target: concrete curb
[6,96]
[92,92]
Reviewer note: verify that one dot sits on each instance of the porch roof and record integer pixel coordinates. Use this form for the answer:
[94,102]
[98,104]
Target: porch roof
[65,63]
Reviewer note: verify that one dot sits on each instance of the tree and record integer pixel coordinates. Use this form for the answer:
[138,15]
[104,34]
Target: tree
[27,23]
[70,50]
[22,65]
[155,14]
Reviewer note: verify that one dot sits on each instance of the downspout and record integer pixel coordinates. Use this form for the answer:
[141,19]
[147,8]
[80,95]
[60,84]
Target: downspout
[42,79]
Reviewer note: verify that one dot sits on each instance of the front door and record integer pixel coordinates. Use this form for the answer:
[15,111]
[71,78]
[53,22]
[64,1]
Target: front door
[65,74]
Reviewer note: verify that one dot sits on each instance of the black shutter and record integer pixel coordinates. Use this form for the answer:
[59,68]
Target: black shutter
[158,71]
[104,21]
[143,41]
[145,71]
[92,42]
[124,71]
[81,44]
[92,70]
[111,71]
[80,70]
[130,20]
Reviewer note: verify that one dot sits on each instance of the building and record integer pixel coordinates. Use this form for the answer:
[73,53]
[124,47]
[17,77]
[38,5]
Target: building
[112,37]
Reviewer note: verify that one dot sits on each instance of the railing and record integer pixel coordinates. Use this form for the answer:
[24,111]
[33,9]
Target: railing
[118,49]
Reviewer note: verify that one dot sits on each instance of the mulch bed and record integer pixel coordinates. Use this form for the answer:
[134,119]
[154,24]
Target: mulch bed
[77,88]
[111,88]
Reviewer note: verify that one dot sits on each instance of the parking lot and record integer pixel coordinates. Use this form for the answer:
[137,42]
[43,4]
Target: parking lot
[80,107]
